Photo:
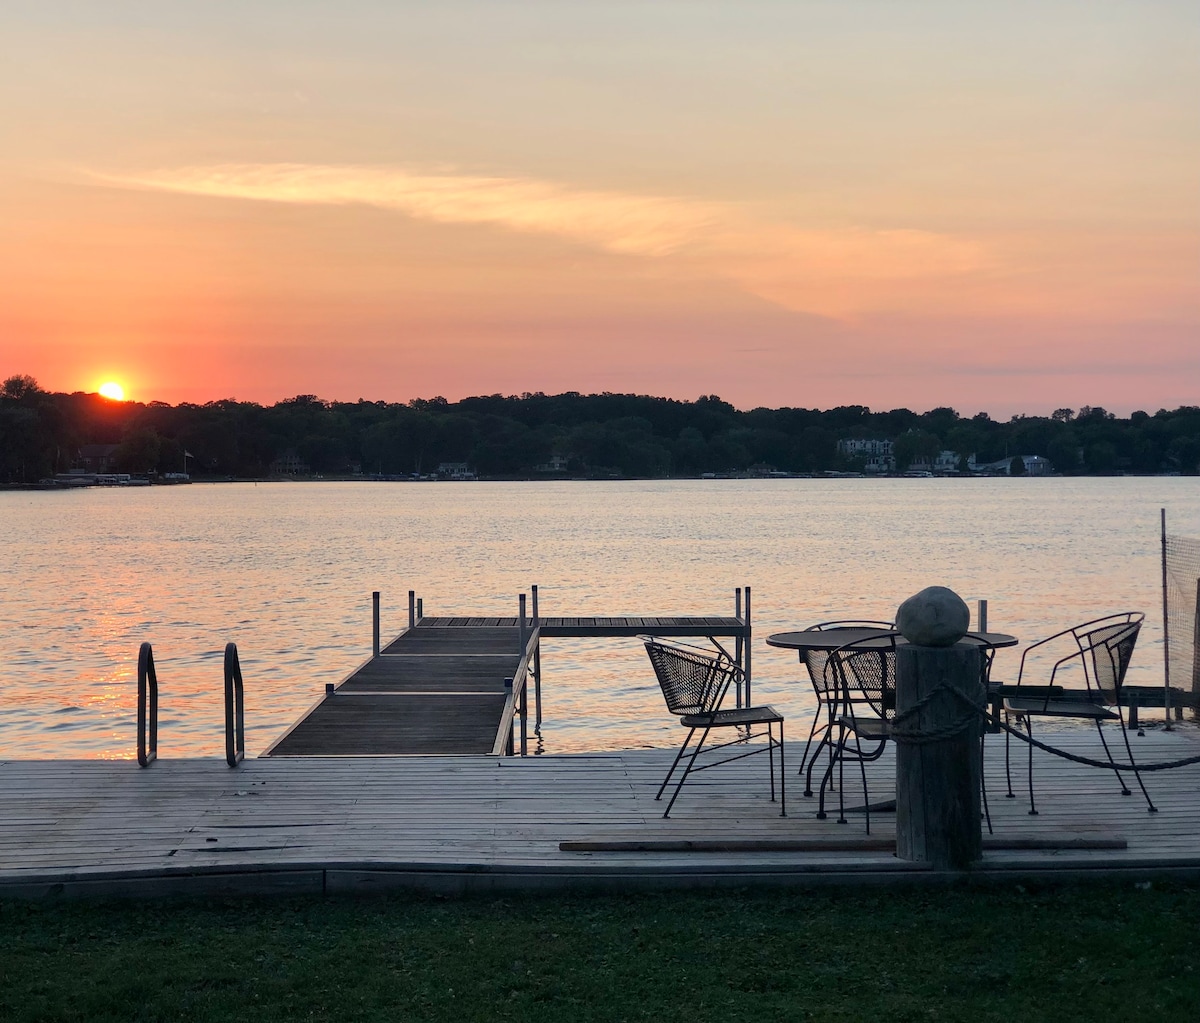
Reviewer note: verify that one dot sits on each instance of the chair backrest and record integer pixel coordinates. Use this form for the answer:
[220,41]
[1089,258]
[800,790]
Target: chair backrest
[693,681]
[864,673]
[1107,647]
[815,661]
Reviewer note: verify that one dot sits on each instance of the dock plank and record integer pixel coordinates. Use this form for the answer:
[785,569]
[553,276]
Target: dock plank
[393,819]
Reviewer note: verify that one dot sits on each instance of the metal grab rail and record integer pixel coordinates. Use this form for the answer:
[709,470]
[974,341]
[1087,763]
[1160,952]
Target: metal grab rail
[235,712]
[147,723]
[516,702]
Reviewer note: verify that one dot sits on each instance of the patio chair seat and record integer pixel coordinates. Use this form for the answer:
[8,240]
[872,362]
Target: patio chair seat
[1061,709]
[741,716]
[875,730]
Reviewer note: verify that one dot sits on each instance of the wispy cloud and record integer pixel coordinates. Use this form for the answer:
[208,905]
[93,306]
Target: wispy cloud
[828,271]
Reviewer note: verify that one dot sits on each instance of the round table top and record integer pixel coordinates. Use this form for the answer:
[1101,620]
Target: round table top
[831,639]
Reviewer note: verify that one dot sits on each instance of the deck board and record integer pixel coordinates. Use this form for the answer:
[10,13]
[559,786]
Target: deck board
[351,823]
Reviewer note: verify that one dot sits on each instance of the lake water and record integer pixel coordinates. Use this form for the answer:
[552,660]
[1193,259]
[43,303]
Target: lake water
[286,571]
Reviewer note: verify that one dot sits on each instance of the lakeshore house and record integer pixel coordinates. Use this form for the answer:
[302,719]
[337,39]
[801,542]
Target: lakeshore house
[878,455]
[1035,465]
[98,458]
[455,471]
[943,463]
[289,464]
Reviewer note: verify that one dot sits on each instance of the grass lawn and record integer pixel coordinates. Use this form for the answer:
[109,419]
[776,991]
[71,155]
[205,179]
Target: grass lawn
[1011,953]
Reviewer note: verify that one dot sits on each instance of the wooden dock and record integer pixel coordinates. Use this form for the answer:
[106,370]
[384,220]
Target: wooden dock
[458,685]
[306,825]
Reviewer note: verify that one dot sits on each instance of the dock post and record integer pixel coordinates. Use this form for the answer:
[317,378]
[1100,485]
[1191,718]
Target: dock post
[537,666]
[525,718]
[939,705]
[375,624]
[412,609]
[738,641]
[746,667]
[981,616]
[1162,518]
[521,623]
[508,745]
[420,608]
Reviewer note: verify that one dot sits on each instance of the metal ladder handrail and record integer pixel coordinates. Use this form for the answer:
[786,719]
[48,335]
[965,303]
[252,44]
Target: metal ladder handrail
[147,713]
[235,712]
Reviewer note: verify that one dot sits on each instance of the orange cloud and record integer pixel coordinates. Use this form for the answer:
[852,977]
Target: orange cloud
[834,272]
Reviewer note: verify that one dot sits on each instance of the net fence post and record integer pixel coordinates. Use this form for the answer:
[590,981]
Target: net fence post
[1162,513]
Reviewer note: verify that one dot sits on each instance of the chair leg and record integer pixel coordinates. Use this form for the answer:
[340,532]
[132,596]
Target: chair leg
[842,780]
[1007,768]
[1029,728]
[862,768]
[678,757]
[824,743]
[771,758]
[817,726]
[983,785]
[782,775]
[1137,774]
[827,776]
[1108,753]
[686,771]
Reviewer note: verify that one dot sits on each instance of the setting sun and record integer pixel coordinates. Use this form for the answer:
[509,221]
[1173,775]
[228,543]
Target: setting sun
[113,391]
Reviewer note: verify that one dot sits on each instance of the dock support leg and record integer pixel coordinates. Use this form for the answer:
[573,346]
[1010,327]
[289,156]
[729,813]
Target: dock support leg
[525,721]
[375,624]
[739,643]
[508,744]
[537,667]
[746,667]
[412,609]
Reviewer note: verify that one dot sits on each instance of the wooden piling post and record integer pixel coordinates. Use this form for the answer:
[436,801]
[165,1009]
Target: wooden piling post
[981,616]
[375,624]
[939,700]
[937,781]
[412,609]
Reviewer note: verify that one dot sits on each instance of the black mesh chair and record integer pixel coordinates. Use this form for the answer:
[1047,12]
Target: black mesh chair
[1100,651]
[694,683]
[863,676]
[825,689]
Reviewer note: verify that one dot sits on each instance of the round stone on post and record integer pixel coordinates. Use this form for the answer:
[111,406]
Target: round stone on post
[937,616]
[939,683]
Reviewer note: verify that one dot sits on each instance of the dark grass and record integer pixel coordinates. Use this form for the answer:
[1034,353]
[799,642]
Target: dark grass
[1008,953]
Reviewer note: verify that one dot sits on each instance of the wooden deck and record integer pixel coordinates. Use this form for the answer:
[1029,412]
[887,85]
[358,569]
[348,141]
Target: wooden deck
[484,823]
[438,688]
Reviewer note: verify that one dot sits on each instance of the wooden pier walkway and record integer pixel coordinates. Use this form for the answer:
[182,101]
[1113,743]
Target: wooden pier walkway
[457,685]
[300,825]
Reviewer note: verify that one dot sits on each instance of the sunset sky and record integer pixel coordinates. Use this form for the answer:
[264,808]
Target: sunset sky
[993,206]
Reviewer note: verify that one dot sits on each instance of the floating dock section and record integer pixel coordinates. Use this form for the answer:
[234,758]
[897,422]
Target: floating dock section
[461,685]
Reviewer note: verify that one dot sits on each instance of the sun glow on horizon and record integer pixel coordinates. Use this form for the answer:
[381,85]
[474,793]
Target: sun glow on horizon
[112,390]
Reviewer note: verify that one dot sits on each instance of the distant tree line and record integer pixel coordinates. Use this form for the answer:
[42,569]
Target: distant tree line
[599,435]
